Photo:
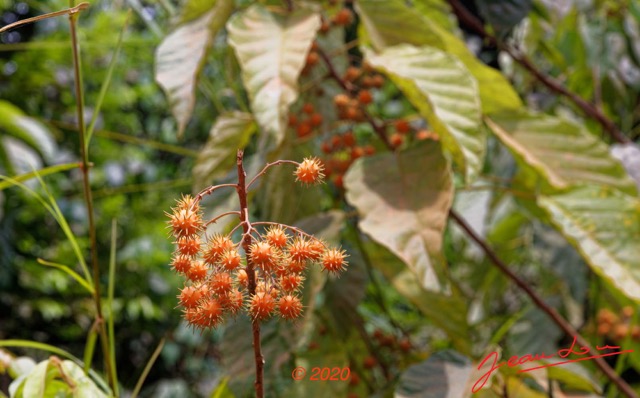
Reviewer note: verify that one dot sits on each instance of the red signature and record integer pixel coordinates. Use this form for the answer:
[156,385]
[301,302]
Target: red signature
[561,353]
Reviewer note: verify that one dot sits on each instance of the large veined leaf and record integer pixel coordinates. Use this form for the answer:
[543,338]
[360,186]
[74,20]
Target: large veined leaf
[14,123]
[230,132]
[603,224]
[380,19]
[559,151]
[181,55]
[403,201]
[271,49]
[444,92]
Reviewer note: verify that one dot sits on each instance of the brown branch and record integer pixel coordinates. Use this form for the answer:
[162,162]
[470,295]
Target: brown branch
[552,84]
[539,302]
[251,273]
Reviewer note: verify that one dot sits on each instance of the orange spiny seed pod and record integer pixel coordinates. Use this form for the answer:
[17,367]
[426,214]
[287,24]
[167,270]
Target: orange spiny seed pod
[187,202]
[261,305]
[333,260]
[185,222]
[197,272]
[263,255]
[216,246]
[301,250]
[310,171]
[281,270]
[296,266]
[276,236]
[341,100]
[189,245]
[221,283]
[230,259]
[232,301]
[181,264]
[352,73]
[210,313]
[191,315]
[242,277]
[291,282]
[290,307]
[317,247]
[190,296]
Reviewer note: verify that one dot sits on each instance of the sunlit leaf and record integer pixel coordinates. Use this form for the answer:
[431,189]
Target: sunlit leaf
[560,152]
[271,49]
[229,133]
[444,92]
[443,375]
[181,55]
[603,224]
[380,19]
[403,201]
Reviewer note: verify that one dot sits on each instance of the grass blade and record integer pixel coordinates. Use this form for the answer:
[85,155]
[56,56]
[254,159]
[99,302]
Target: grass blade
[43,172]
[89,348]
[69,272]
[110,291]
[147,369]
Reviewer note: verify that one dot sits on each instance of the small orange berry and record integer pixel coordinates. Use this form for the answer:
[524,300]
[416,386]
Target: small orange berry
[350,113]
[369,362]
[606,316]
[366,82]
[377,81]
[310,171]
[620,331]
[404,345]
[627,311]
[290,307]
[303,129]
[316,119]
[343,17]
[396,140]
[603,329]
[293,120]
[357,152]
[402,126]
[326,148]
[333,260]
[369,150]
[348,139]
[242,277]
[338,182]
[261,305]
[324,27]
[308,108]
[352,73]
[341,100]
[365,97]
[314,45]
[635,332]
[354,380]
[312,59]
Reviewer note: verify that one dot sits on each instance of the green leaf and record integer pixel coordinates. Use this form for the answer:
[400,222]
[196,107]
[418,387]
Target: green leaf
[41,173]
[222,390]
[604,226]
[560,152]
[443,375]
[230,132]
[69,272]
[403,201]
[271,49]
[444,92]
[181,55]
[14,123]
[380,19]
[192,9]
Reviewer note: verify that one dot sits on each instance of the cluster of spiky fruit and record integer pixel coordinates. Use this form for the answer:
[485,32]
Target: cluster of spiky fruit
[617,326]
[216,268]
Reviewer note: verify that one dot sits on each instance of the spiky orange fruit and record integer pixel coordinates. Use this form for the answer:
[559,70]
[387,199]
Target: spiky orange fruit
[210,313]
[341,100]
[277,237]
[263,255]
[333,260]
[290,307]
[181,264]
[261,305]
[290,282]
[230,259]
[365,97]
[216,246]
[187,202]
[185,222]
[197,272]
[221,283]
[242,278]
[232,301]
[190,296]
[302,249]
[189,245]
[310,171]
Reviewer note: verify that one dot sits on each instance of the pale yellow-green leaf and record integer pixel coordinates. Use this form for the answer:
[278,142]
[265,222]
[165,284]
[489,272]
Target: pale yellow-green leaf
[272,49]
[560,152]
[403,201]
[445,93]
[603,224]
[381,20]
[181,55]
[230,132]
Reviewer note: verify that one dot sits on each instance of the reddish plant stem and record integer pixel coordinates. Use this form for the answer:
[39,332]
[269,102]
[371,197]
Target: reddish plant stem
[551,312]
[251,273]
[552,84]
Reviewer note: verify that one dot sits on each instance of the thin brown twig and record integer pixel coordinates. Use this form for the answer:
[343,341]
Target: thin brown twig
[551,312]
[552,84]
[37,18]
[241,188]
[265,168]
[216,218]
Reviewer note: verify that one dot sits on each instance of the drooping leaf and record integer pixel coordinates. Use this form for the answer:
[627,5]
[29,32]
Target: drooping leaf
[504,14]
[629,156]
[444,92]
[192,9]
[443,375]
[380,19]
[403,200]
[603,224]
[229,133]
[181,55]
[271,49]
[560,152]
[14,123]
